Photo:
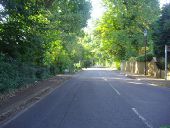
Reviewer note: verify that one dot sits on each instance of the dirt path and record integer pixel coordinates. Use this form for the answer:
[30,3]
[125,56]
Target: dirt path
[14,102]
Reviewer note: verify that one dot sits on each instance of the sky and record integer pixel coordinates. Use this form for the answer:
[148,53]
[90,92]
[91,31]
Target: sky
[162,2]
[98,10]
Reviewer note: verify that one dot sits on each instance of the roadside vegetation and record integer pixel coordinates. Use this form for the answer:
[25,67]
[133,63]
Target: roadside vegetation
[40,38]
[120,32]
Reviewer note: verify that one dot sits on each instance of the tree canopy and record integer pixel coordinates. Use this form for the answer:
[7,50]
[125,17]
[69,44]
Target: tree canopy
[121,27]
[43,32]
[161,31]
[39,38]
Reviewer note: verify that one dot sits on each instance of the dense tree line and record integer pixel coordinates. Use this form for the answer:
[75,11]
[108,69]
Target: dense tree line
[121,28]
[161,35]
[39,38]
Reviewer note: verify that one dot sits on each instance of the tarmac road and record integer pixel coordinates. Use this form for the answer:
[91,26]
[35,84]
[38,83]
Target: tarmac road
[99,98]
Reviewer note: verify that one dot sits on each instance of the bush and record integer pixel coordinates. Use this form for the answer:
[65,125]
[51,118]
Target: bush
[53,70]
[149,57]
[42,73]
[14,74]
[118,64]
[77,66]
[87,63]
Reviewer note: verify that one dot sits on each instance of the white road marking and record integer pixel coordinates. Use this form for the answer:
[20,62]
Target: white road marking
[142,118]
[114,89]
[153,84]
[135,83]
[105,79]
[112,86]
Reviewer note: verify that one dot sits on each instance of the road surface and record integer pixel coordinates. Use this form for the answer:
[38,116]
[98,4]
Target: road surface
[99,98]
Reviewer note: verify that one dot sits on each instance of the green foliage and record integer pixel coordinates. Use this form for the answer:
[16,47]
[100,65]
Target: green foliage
[78,66]
[118,64]
[161,36]
[14,74]
[41,38]
[87,63]
[162,32]
[120,30]
[141,58]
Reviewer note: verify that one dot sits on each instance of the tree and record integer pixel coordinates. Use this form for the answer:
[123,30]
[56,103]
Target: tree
[121,28]
[161,36]
[161,32]
[39,38]
[31,30]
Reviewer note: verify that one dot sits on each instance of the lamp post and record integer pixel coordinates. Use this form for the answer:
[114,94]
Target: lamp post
[166,61]
[145,39]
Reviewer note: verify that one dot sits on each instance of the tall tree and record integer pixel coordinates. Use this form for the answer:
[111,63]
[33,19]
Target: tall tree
[121,28]
[41,32]
[162,31]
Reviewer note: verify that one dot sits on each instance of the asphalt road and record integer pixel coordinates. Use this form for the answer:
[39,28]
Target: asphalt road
[99,98]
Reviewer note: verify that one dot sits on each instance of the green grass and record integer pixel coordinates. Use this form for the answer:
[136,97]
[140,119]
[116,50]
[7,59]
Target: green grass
[168,126]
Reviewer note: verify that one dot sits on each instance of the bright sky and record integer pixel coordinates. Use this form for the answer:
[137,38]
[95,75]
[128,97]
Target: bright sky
[162,2]
[98,10]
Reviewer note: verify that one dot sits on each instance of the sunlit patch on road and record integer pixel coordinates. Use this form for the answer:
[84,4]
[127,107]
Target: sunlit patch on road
[135,83]
[91,69]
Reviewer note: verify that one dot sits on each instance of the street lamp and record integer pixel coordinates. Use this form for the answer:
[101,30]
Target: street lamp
[145,40]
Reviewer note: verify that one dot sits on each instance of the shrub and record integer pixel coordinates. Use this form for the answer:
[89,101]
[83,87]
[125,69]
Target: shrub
[14,74]
[77,66]
[118,64]
[87,63]
[53,70]
[149,57]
